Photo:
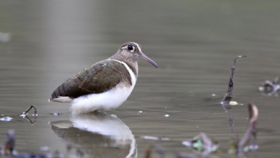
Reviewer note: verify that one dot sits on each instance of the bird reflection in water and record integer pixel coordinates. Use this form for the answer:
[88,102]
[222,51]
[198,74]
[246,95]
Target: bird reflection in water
[98,135]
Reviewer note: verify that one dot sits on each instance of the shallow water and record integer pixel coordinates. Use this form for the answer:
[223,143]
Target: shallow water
[194,44]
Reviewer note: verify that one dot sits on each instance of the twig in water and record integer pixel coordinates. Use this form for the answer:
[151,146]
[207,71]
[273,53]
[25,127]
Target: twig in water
[238,146]
[228,96]
[253,115]
[32,106]
[25,114]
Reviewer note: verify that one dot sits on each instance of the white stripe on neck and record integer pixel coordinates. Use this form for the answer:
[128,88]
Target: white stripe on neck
[131,73]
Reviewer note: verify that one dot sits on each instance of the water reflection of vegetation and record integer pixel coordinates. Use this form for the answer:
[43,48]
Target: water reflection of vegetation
[204,146]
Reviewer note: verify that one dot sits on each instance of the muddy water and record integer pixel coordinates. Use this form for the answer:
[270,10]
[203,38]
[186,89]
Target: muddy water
[194,44]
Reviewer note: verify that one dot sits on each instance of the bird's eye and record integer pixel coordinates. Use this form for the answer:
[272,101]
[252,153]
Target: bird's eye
[130,47]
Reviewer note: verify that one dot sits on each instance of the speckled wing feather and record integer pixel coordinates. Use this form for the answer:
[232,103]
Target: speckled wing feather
[99,78]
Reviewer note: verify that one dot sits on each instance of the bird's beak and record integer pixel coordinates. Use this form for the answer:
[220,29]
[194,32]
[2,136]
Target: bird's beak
[143,56]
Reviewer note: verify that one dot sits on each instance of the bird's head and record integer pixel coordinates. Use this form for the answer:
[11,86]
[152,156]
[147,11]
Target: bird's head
[132,50]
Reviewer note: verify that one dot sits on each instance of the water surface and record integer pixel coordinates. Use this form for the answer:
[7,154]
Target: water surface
[194,44]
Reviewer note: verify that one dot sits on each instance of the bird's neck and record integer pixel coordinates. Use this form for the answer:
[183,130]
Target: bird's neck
[131,62]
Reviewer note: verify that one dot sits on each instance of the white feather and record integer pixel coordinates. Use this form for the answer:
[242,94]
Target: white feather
[62,99]
[107,100]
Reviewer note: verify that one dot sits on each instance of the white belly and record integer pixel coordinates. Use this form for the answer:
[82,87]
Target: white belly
[104,101]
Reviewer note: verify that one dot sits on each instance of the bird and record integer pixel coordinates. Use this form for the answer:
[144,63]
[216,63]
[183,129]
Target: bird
[104,85]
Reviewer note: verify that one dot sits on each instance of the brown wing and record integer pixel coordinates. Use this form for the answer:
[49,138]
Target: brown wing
[99,78]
